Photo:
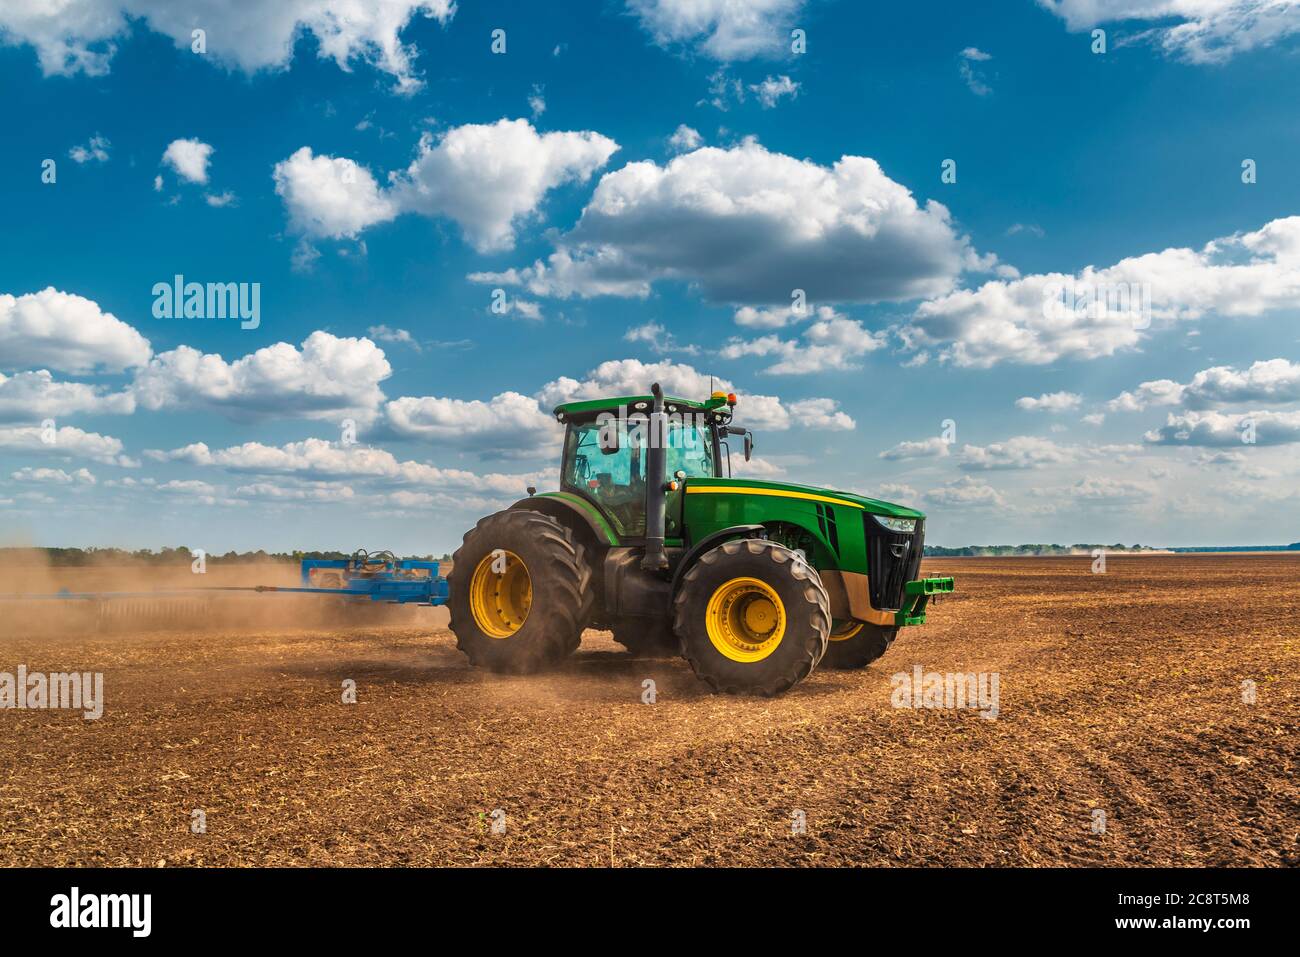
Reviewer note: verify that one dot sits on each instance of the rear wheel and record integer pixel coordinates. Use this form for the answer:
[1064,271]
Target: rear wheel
[519,592]
[855,644]
[647,637]
[753,617]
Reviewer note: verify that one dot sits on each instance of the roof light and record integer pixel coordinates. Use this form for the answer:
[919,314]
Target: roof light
[731,398]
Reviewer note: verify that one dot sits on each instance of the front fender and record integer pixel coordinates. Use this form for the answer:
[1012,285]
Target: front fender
[713,541]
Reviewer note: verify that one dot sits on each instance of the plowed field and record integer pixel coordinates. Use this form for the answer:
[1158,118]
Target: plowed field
[1120,693]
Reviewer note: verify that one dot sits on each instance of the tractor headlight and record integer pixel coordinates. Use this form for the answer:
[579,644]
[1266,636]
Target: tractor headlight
[905,526]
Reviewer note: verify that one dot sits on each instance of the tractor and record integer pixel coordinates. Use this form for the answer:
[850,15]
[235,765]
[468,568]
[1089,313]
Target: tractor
[754,583]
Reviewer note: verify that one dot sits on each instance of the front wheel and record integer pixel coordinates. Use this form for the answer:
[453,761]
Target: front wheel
[752,617]
[855,644]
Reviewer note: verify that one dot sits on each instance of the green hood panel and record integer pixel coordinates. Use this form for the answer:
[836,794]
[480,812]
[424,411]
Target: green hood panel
[789,490]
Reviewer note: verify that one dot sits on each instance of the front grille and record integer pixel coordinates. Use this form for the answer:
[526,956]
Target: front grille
[887,573]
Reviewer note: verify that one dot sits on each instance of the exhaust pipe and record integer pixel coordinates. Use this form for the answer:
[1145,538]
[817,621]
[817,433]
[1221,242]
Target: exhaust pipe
[655,560]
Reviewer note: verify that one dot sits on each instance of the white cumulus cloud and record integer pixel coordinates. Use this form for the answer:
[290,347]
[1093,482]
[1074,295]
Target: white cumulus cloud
[33,396]
[1019,452]
[832,342]
[1025,320]
[326,377]
[1227,429]
[189,159]
[509,422]
[54,476]
[68,442]
[722,29]
[974,77]
[821,414]
[1203,31]
[330,197]
[1034,452]
[1269,380]
[748,226]
[966,492]
[58,330]
[403,337]
[96,149]
[297,492]
[685,139]
[319,459]
[74,36]
[931,448]
[773,88]
[487,178]
[1050,402]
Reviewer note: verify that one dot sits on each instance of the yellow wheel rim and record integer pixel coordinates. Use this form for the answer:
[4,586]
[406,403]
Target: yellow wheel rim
[500,594]
[745,620]
[845,630]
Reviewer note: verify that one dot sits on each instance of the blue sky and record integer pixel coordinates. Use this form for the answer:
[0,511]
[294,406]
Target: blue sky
[644,184]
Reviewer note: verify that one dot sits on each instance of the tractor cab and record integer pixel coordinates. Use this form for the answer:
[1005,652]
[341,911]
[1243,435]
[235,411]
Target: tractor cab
[607,451]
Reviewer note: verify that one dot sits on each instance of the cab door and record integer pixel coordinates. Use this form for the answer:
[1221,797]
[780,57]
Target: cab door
[605,464]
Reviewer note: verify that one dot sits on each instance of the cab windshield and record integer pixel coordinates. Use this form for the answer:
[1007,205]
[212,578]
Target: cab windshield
[604,459]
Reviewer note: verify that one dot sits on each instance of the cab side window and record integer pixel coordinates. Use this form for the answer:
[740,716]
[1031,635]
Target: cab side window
[612,478]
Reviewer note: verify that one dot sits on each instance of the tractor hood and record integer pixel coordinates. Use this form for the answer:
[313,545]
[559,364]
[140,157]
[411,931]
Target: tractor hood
[788,490]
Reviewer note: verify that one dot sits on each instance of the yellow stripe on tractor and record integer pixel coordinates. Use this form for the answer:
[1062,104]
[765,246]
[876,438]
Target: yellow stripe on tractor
[775,492]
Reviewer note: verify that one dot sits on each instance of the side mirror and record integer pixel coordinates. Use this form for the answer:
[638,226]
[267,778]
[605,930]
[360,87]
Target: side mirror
[749,438]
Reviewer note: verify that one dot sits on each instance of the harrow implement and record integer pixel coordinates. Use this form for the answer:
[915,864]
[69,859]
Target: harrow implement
[365,577]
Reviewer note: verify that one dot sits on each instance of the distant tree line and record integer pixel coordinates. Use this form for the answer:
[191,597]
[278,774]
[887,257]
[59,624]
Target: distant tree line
[69,557]
[1293,547]
[966,551]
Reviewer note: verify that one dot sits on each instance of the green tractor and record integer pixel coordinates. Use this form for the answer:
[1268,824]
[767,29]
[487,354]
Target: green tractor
[754,583]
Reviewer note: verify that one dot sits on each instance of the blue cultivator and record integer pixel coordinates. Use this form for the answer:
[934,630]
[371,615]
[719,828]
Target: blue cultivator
[379,576]
[365,577]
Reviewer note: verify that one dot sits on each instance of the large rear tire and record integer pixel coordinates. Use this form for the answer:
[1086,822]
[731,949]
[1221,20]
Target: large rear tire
[857,644]
[519,592]
[752,617]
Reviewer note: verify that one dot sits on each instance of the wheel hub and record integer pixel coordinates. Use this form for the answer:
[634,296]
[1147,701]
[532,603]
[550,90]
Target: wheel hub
[845,630]
[745,619]
[500,594]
